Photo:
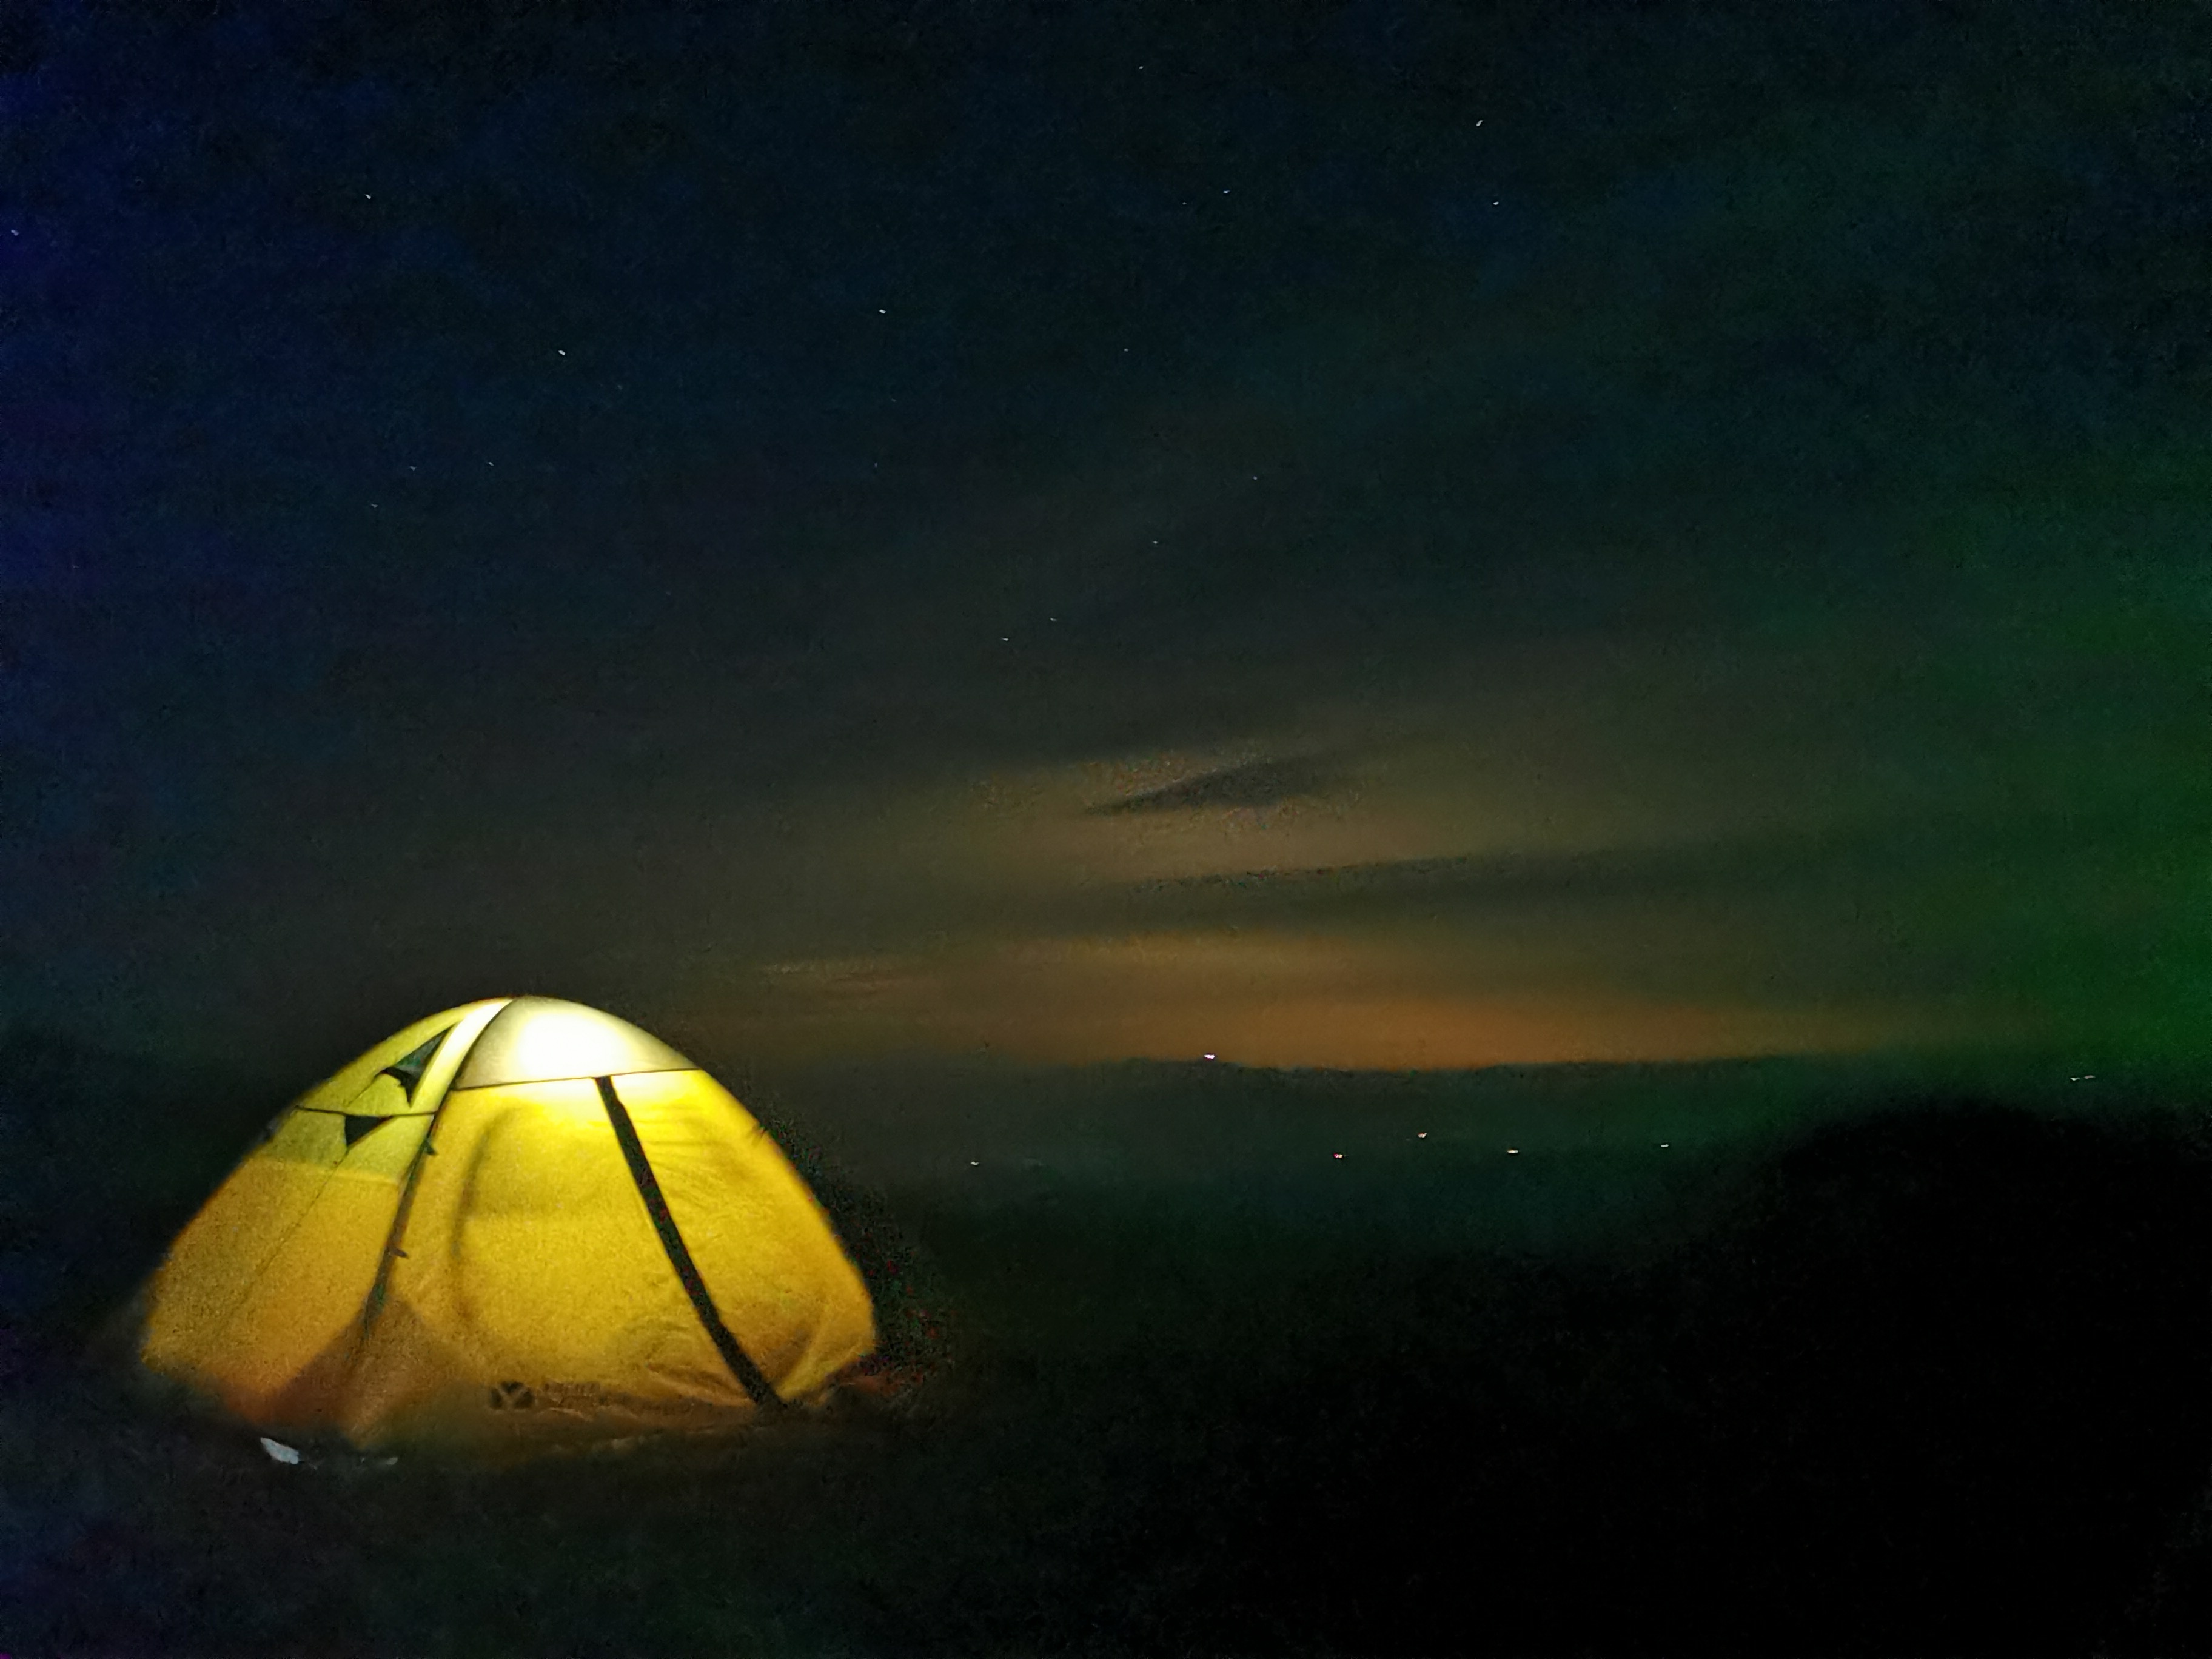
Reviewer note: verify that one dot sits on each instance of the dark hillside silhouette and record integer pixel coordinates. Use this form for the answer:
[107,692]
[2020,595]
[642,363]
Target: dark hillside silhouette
[1931,1380]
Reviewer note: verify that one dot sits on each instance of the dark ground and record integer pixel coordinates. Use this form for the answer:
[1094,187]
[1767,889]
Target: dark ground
[1933,1377]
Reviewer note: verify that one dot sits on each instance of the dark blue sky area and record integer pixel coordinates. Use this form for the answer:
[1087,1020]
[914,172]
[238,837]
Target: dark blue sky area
[666,505]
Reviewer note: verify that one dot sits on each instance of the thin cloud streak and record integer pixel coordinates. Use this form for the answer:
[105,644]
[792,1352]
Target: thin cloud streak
[1254,784]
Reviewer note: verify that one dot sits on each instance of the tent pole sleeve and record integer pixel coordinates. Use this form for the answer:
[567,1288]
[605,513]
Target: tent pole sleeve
[373,1303]
[679,1256]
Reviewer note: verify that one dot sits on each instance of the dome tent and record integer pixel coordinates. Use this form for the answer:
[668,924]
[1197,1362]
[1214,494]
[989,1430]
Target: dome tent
[520,1220]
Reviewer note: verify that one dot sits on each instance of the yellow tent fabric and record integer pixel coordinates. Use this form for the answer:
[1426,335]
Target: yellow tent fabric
[516,1221]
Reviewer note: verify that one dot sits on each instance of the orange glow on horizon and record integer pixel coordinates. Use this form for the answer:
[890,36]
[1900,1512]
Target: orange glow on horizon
[1257,1001]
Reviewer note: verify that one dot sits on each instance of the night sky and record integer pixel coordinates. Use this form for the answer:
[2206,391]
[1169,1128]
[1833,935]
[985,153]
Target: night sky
[1366,534]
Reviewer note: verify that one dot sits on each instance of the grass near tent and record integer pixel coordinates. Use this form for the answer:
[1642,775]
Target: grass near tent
[1932,1379]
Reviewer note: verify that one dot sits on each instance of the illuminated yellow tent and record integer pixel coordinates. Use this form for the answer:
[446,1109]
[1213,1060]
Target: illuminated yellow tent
[520,1220]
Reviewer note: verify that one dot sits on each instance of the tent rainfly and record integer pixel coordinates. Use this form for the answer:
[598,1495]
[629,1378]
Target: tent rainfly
[518,1221]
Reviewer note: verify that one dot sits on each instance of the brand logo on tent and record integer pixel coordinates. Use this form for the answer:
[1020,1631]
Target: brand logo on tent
[573,1396]
[553,1396]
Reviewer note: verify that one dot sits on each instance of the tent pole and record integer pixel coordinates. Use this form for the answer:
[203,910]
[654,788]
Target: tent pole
[741,1363]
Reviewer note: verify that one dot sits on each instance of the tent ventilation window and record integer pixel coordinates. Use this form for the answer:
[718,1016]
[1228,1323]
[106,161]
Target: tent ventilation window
[409,1069]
